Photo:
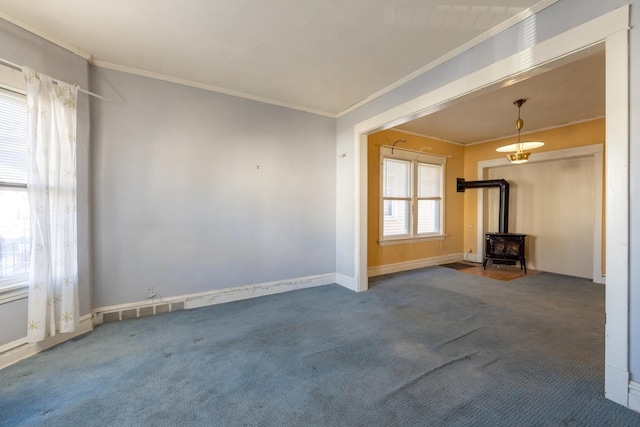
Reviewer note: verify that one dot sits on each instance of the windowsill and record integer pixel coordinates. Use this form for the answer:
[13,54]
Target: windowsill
[406,240]
[14,292]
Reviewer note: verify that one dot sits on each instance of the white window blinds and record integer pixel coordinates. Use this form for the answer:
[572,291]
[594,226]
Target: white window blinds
[15,246]
[13,138]
[412,194]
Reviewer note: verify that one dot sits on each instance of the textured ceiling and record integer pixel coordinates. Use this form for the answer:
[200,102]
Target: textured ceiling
[321,56]
[569,92]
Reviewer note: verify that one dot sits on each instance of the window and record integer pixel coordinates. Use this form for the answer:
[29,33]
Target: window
[412,201]
[14,215]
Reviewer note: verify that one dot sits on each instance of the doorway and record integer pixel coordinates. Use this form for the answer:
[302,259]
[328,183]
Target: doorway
[612,29]
[556,199]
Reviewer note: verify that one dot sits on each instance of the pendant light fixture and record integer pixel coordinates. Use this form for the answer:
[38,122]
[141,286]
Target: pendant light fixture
[519,151]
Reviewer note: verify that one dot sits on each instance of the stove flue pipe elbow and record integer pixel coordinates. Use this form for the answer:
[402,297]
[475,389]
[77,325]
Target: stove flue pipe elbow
[503,185]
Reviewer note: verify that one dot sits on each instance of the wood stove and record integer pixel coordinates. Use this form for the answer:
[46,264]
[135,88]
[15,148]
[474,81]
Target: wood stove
[505,248]
[502,247]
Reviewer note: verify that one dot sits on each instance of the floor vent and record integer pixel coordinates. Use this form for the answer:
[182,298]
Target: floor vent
[140,311]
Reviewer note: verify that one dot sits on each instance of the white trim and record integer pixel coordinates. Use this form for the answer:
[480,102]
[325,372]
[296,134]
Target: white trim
[617,217]
[634,396]
[435,138]
[12,80]
[544,129]
[598,163]
[14,293]
[207,87]
[347,282]
[455,52]
[43,34]
[612,28]
[131,70]
[414,158]
[391,241]
[15,351]
[361,209]
[565,153]
[616,381]
[412,265]
[219,296]
[543,53]
[595,151]
[244,292]
[524,133]
[391,152]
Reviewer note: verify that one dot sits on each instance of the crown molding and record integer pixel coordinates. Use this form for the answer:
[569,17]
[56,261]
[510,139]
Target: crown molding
[422,135]
[515,19]
[149,74]
[563,125]
[185,82]
[43,34]
[205,86]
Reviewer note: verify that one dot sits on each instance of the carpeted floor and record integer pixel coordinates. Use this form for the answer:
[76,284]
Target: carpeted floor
[498,272]
[430,347]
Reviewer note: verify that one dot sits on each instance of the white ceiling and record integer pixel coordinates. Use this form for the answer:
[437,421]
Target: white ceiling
[556,95]
[322,56]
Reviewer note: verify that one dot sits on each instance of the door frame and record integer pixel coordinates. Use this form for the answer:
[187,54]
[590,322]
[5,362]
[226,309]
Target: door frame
[611,29]
[596,152]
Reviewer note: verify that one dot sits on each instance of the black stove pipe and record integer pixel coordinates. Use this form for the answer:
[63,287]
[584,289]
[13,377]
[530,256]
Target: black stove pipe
[503,213]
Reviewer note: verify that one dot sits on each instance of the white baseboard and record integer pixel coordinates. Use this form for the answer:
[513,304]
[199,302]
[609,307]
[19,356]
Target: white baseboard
[634,396]
[346,281]
[412,265]
[251,291]
[15,351]
[217,296]
[616,385]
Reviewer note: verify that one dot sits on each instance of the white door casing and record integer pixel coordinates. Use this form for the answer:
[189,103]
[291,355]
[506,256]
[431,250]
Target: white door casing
[595,153]
[612,29]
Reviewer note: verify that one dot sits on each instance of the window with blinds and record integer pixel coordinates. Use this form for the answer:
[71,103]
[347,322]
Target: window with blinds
[412,196]
[14,215]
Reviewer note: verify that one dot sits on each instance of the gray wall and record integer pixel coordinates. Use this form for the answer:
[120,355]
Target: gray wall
[196,191]
[24,48]
[548,23]
[13,318]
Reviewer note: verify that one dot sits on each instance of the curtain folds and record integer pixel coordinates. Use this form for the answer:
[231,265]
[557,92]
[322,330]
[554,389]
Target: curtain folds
[51,182]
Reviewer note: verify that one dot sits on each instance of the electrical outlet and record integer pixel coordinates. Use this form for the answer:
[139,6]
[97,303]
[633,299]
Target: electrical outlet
[150,292]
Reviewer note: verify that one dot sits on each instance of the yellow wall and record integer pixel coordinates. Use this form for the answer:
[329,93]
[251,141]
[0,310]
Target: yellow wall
[580,134]
[454,209]
[460,208]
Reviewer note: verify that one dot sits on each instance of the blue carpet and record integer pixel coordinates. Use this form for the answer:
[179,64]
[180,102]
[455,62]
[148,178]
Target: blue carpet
[429,347]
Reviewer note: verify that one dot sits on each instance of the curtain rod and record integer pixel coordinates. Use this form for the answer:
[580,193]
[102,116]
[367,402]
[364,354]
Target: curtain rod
[448,156]
[19,68]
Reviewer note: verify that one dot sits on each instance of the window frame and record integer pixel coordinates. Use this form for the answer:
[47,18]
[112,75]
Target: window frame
[415,158]
[12,82]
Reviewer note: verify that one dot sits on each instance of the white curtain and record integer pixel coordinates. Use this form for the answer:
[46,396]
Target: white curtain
[53,277]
